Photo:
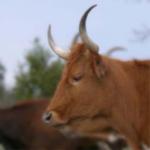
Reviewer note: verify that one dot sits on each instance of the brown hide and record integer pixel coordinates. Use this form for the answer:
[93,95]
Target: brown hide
[21,128]
[97,92]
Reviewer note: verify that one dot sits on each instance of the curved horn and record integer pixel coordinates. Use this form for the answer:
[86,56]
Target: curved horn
[60,52]
[75,39]
[114,49]
[82,29]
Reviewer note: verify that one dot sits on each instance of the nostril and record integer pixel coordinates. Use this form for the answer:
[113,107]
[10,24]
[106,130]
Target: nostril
[47,117]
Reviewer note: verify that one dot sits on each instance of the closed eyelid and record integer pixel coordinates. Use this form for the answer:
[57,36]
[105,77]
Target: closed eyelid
[77,77]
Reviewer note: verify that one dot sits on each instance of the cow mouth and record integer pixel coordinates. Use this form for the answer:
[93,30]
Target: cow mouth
[67,129]
[69,122]
[79,119]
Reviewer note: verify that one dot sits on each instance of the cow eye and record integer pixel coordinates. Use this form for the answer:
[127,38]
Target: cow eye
[77,78]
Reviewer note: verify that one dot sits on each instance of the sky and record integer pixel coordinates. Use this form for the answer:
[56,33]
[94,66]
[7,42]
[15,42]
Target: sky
[110,24]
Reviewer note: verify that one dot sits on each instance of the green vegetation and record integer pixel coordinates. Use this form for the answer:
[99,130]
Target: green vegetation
[38,77]
[2,86]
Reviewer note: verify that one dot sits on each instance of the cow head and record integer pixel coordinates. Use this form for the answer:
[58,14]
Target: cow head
[83,100]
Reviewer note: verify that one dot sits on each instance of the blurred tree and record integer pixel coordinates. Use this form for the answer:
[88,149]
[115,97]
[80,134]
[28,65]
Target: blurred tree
[38,77]
[2,86]
[141,35]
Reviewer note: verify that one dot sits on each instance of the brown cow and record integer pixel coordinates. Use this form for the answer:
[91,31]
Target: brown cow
[21,128]
[97,92]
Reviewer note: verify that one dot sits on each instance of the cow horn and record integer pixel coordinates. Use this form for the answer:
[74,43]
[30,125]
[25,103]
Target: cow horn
[75,39]
[60,52]
[114,49]
[82,29]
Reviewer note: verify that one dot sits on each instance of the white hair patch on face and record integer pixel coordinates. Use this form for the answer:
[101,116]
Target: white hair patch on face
[145,147]
[103,145]
[113,138]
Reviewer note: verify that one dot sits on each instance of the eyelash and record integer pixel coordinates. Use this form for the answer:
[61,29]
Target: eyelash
[77,78]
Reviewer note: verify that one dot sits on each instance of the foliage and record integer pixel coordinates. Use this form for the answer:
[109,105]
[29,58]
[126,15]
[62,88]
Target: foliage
[38,77]
[2,86]
[142,35]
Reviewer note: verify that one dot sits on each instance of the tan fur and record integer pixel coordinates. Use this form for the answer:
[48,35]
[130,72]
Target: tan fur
[21,128]
[111,94]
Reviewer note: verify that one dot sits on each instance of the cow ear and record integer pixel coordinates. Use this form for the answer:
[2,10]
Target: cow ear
[98,66]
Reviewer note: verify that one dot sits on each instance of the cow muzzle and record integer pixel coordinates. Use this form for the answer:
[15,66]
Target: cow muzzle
[52,118]
[47,117]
